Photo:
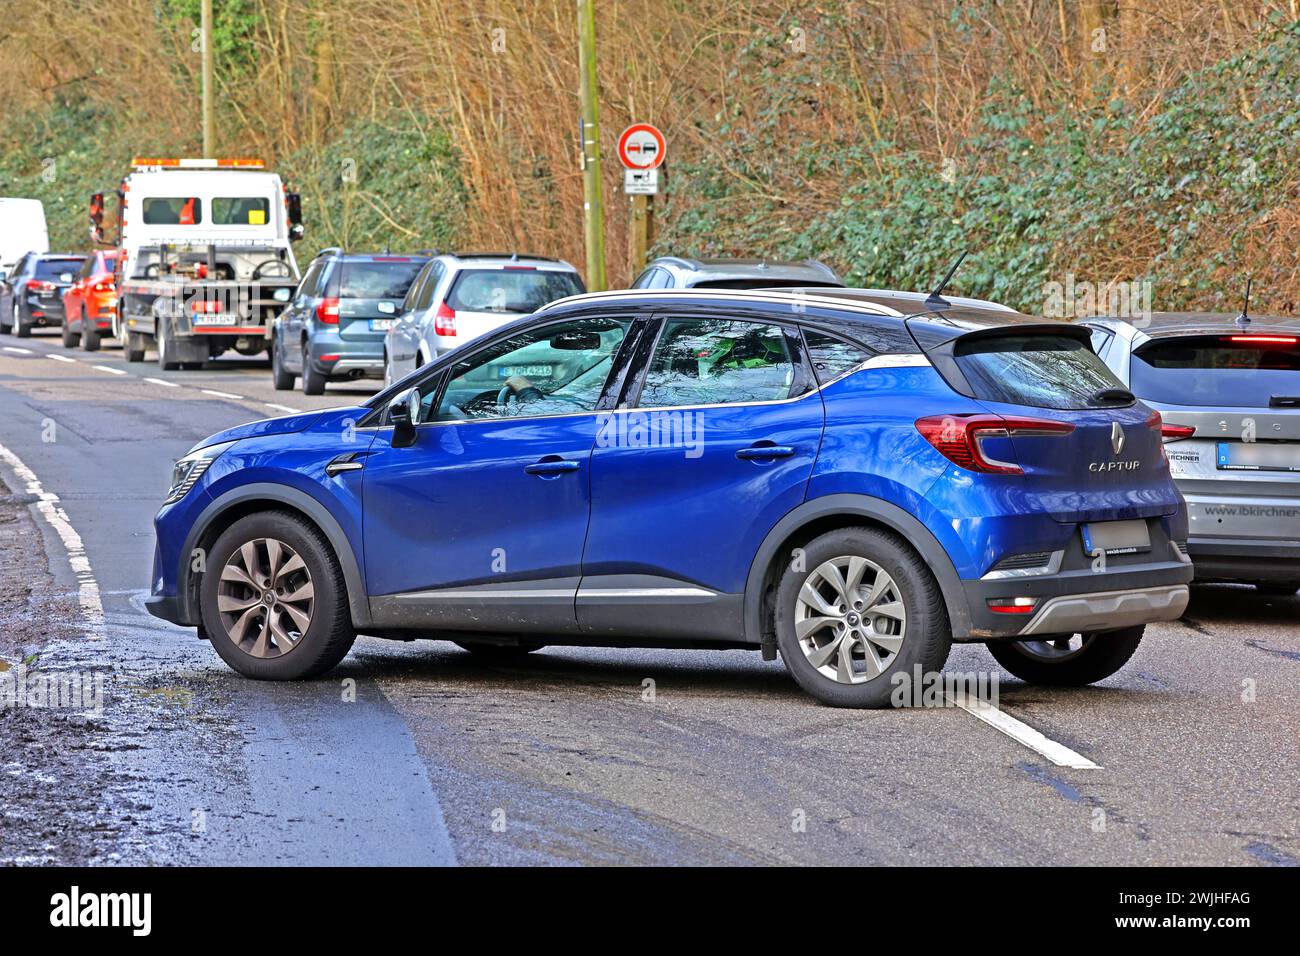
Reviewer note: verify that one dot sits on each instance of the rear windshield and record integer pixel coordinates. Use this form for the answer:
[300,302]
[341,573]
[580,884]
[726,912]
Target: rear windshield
[1241,371]
[1044,371]
[53,268]
[241,211]
[764,284]
[380,279]
[510,290]
[173,211]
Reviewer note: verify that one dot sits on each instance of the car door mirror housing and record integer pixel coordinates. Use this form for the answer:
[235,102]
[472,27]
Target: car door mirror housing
[404,415]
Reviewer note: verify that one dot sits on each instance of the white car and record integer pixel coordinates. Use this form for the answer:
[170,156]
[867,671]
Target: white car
[458,297]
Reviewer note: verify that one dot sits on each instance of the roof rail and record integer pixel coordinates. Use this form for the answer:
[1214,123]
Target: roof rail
[504,255]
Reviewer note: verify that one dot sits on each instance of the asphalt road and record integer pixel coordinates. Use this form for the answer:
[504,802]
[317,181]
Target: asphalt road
[417,753]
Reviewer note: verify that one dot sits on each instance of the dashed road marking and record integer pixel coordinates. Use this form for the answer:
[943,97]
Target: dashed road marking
[282,408]
[1022,733]
[210,391]
[161,381]
[109,369]
[47,503]
[17,351]
[62,358]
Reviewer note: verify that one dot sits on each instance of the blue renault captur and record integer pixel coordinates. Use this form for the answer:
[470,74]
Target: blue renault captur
[853,479]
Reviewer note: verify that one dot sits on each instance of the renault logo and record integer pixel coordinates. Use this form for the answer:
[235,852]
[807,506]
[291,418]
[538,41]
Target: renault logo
[1116,437]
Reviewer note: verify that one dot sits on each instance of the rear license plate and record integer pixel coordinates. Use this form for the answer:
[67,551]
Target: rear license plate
[527,371]
[380,325]
[1258,456]
[1116,537]
[217,318]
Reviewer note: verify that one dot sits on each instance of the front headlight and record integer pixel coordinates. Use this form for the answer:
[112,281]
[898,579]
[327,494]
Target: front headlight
[187,471]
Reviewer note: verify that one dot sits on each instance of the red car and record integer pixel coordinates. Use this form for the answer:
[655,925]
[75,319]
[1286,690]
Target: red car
[89,305]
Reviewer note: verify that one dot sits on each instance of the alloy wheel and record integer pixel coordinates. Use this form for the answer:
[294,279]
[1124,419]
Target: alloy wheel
[1057,649]
[850,620]
[265,598]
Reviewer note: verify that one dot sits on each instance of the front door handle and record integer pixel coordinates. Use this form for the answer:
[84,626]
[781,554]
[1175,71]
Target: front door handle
[764,452]
[551,465]
[349,462]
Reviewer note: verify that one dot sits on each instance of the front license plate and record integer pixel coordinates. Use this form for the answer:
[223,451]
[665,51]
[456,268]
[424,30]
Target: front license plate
[527,371]
[1116,537]
[217,318]
[1258,456]
[380,325]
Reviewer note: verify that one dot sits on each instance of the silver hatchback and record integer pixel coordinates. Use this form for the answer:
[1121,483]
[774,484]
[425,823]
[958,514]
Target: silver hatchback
[1229,392]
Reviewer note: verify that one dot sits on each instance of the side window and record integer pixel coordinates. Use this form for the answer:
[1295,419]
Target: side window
[662,279]
[430,286]
[87,268]
[643,280]
[309,280]
[832,357]
[554,370]
[1101,339]
[718,361]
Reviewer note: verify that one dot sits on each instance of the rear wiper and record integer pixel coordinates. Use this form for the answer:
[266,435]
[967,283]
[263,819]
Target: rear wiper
[1113,394]
[1284,401]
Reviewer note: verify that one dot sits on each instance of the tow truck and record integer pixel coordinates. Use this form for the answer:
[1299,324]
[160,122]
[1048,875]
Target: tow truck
[205,262]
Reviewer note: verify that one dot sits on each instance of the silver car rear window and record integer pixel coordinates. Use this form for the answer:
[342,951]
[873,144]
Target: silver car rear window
[1236,370]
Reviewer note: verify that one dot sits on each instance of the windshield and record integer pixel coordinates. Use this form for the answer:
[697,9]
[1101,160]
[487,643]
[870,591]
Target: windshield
[378,279]
[1237,371]
[520,290]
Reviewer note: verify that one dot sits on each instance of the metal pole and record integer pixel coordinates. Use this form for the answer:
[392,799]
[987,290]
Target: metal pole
[640,232]
[205,29]
[593,207]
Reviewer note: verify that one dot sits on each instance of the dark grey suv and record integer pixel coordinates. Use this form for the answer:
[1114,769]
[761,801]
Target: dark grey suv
[335,325]
[674,272]
[31,296]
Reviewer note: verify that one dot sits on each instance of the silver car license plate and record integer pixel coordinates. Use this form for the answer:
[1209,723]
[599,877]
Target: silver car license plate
[1259,456]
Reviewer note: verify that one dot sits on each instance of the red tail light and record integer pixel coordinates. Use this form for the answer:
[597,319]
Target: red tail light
[1170,433]
[444,320]
[960,438]
[205,307]
[39,287]
[328,311]
[1264,339]
[103,287]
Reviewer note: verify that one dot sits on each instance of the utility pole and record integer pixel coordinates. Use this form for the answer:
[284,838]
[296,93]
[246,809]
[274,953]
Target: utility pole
[593,206]
[205,30]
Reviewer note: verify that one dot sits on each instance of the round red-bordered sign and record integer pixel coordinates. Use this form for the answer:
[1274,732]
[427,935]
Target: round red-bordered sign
[641,147]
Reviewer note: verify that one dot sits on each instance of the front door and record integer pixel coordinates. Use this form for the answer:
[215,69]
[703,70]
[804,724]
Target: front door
[480,523]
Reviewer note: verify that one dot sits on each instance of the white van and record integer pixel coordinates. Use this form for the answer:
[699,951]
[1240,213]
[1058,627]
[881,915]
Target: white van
[22,230]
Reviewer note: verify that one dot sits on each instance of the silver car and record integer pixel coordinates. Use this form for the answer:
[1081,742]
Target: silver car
[1229,392]
[458,297]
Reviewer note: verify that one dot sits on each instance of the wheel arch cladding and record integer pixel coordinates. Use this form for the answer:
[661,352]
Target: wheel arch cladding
[832,512]
[249,499]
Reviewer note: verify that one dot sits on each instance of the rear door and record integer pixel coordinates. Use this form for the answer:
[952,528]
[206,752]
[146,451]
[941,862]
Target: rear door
[715,443]
[1240,470]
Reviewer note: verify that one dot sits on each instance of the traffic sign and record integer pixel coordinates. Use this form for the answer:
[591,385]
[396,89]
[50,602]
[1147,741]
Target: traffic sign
[641,147]
[640,182]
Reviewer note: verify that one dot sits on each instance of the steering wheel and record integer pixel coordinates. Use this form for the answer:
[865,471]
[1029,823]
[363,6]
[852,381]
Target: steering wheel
[152,270]
[282,274]
[515,392]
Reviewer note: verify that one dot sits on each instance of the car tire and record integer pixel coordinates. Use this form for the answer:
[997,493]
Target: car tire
[89,336]
[165,361]
[255,635]
[1277,588]
[313,382]
[20,330]
[133,347]
[281,378]
[488,651]
[1060,662]
[69,340]
[5,326]
[913,630]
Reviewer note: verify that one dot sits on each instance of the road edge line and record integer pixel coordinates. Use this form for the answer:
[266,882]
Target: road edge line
[1023,734]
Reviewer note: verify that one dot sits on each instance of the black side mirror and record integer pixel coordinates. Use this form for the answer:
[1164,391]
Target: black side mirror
[404,415]
[293,202]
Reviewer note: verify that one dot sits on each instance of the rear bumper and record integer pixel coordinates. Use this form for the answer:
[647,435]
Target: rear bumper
[1107,610]
[1244,559]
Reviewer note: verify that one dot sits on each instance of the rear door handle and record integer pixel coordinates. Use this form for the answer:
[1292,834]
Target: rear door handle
[764,452]
[551,466]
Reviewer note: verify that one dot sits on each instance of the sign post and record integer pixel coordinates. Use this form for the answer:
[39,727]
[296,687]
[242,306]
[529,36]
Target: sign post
[641,149]
[593,206]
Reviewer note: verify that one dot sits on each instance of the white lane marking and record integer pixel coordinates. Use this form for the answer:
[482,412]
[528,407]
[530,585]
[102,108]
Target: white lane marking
[1022,733]
[209,391]
[92,606]
[17,351]
[161,381]
[281,408]
[62,358]
[109,369]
